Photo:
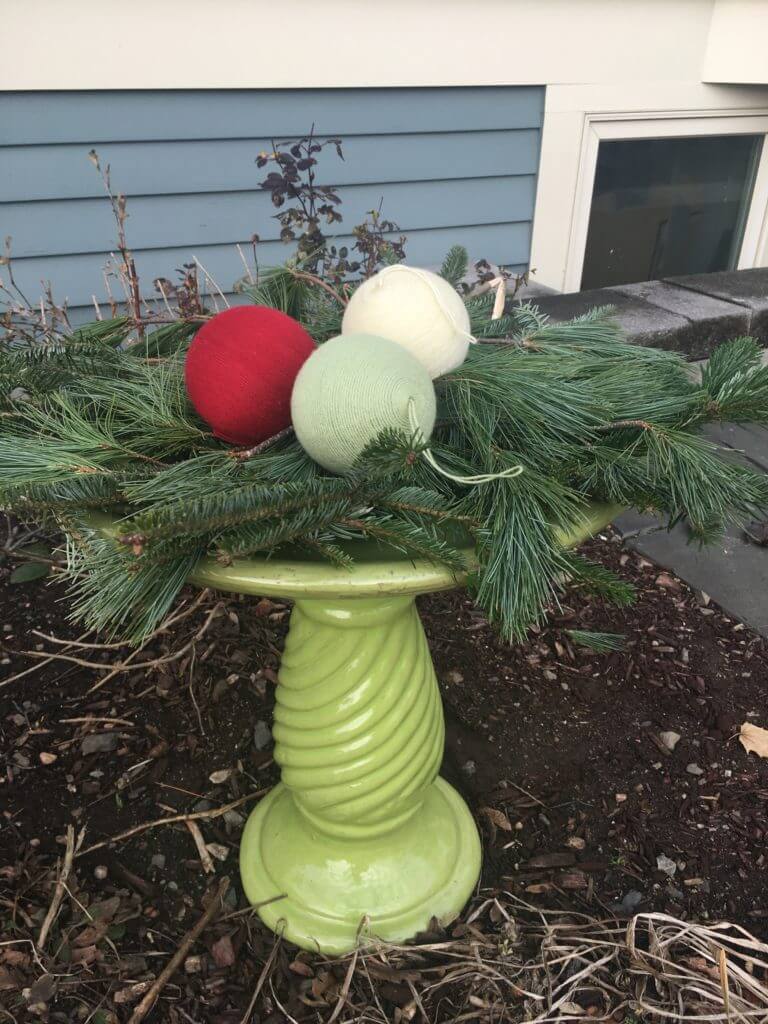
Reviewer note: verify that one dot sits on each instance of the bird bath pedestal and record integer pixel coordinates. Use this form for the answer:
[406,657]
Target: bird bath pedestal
[361,839]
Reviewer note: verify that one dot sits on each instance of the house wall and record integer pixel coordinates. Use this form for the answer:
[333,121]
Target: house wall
[206,74]
[452,165]
[245,44]
[737,43]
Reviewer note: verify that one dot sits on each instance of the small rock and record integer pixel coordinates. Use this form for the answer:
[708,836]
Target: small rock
[100,872]
[454,676]
[670,739]
[193,964]
[629,903]
[220,776]
[576,842]
[223,952]
[667,581]
[573,880]
[99,743]
[131,993]
[551,860]
[694,769]
[666,864]
[158,861]
[46,758]
[262,737]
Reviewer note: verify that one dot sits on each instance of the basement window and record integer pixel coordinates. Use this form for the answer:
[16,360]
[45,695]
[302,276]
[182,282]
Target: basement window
[668,206]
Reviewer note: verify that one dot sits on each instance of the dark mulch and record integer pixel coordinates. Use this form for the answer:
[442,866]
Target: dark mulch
[556,748]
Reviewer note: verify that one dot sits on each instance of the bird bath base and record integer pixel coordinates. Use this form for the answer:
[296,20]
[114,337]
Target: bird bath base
[360,839]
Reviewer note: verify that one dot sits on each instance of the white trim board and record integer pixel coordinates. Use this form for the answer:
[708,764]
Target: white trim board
[578,117]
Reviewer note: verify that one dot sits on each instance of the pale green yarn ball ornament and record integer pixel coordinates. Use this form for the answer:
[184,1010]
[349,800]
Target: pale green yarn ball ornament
[350,390]
[419,310]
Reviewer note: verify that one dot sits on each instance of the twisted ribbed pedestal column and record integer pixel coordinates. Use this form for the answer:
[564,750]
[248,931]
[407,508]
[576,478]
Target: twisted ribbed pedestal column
[360,829]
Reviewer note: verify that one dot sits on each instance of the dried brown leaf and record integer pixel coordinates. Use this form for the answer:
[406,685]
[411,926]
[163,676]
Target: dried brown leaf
[497,818]
[754,739]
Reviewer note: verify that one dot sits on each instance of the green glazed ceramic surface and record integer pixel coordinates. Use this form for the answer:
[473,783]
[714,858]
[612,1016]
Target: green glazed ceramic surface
[361,840]
[361,837]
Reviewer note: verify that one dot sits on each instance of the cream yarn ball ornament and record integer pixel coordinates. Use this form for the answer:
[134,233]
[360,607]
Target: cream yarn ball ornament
[419,310]
[351,389]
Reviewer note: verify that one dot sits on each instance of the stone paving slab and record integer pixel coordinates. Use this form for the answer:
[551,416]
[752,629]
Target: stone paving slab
[644,323]
[733,571]
[748,288]
[750,439]
[710,320]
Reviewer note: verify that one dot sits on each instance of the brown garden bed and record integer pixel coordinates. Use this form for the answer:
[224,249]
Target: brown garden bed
[583,806]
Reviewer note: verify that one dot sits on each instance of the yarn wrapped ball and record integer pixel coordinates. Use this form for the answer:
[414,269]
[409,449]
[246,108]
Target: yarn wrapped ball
[240,370]
[350,390]
[419,310]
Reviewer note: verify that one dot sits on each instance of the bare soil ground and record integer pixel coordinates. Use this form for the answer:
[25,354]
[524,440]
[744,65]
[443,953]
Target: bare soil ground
[585,802]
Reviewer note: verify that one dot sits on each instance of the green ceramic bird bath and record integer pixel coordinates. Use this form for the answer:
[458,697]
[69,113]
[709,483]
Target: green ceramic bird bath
[361,839]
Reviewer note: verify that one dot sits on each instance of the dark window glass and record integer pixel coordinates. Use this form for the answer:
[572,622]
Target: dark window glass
[668,206]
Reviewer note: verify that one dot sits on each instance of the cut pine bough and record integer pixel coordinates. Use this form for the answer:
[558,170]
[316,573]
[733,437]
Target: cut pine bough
[583,414]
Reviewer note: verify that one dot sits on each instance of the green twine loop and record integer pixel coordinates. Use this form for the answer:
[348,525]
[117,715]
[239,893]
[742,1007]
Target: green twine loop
[478,478]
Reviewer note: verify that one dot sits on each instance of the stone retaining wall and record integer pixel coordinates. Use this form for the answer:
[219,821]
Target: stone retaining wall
[691,314]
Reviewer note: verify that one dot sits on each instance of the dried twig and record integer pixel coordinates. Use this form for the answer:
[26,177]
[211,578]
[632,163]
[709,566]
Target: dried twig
[215,812]
[35,668]
[262,446]
[304,275]
[178,957]
[265,972]
[128,665]
[344,991]
[205,858]
[61,885]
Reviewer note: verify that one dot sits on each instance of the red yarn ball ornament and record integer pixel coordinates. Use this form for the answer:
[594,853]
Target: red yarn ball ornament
[240,370]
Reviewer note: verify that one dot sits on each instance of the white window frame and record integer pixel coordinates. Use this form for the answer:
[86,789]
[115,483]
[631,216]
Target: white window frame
[608,127]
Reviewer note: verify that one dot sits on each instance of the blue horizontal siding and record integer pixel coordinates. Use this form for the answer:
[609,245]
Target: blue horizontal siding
[451,165]
[218,165]
[138,116]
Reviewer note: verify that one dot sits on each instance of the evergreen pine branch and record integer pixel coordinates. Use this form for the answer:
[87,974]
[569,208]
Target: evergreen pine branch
[421,541]
[329,551]
[288,525]
[597,580]
[116,593]
[517,543]
[736,383]
[455,265]
[103,421]
[600,643]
